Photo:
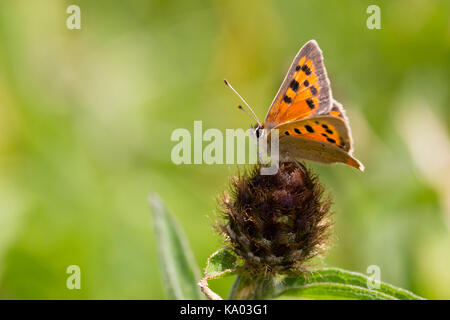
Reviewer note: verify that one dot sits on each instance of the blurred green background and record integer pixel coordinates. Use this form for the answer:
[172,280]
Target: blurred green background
[86,117]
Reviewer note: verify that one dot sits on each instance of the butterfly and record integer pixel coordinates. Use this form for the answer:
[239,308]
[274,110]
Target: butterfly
[311,124]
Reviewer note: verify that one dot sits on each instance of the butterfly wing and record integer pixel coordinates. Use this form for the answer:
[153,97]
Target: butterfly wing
[305,90]
[338,111]
[324,138]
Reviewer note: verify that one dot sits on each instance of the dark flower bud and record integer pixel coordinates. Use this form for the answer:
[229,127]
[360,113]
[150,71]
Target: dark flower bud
[276,223]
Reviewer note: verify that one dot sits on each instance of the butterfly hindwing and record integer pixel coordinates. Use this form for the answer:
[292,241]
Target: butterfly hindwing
[315,150]
[323,139]
[305,90]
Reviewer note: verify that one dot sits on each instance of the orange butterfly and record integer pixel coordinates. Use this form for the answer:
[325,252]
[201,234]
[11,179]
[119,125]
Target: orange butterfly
[311,124]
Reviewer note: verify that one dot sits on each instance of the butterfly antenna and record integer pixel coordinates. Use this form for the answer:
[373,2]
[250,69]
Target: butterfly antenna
[246,112]
[252,115]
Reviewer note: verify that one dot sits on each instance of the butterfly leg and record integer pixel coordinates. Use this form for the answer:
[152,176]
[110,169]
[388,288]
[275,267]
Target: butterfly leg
[301,166]
[287,158]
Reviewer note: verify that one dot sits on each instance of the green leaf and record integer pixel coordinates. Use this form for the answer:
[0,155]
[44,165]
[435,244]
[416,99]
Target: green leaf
[179,270]
[221,263]
[334,283]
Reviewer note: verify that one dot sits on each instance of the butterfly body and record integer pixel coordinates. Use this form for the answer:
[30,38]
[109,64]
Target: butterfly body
[310,123]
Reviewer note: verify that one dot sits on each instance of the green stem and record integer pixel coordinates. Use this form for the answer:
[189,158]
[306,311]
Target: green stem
[250,287]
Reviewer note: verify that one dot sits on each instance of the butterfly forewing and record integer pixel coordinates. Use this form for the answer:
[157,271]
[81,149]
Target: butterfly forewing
[328,129]
[325,139]
[305,90]
[337,111]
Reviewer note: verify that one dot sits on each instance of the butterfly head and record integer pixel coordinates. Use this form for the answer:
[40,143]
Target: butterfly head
[259,130]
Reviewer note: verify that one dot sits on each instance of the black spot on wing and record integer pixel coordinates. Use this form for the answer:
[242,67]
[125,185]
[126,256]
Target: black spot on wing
[294,85]
[310,103]
[306,69]
[309,128]
[287,99]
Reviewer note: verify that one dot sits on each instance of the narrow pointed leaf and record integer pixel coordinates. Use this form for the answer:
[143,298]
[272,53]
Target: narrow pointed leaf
[334,283]
[334,291]
[180,273]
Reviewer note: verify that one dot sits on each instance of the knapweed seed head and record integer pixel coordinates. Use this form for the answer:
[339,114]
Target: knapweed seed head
[276,223]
